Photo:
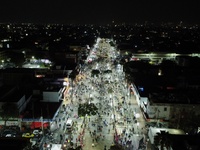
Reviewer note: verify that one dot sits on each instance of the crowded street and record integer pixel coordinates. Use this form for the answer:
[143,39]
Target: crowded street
[118,119]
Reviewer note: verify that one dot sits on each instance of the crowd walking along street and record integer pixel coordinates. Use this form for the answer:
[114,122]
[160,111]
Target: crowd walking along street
[113,116]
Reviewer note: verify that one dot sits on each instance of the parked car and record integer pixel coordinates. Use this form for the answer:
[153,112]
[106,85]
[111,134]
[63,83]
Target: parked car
[37,132]
[8,133]
[28,135]
[34,141]
[69,124]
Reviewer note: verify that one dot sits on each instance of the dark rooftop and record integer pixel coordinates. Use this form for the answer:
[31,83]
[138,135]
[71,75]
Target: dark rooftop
[175,96]
[13,143]
[38,109]
[10,94]
[185,142]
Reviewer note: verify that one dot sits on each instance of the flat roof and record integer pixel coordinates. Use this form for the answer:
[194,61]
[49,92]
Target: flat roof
[10,94]
[169,130]
[14,97]
[153,132]
[52,89]
[4,89]
[37,108]
[175,96]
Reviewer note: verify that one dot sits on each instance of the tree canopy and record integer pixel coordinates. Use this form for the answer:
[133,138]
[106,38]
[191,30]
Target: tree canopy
[95,72]
[162,139]
[73,74]
[86,108]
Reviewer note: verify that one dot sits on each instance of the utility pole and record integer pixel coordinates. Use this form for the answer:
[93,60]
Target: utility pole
[158,120]
[42,123]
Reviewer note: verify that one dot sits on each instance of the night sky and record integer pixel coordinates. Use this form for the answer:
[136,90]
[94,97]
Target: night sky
[102,11]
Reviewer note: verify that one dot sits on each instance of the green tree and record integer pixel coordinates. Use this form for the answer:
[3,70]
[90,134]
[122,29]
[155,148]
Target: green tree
[95,72]
[110,90]
[162,139]
[9,110]
[86,108]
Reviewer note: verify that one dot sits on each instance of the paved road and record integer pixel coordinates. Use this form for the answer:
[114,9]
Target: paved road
[119,118]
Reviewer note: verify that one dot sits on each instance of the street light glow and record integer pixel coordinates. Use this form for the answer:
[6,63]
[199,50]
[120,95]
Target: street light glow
[137,115]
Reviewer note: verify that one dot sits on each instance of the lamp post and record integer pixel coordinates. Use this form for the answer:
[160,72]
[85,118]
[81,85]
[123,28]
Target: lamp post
[158,111]
[42,125]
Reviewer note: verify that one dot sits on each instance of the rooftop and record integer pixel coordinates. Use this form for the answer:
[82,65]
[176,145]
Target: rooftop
[10,94]
[154,131]
[185,142]
[37,109]
[175,96]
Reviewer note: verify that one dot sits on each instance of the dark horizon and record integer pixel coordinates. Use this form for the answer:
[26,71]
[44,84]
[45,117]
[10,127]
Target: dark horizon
[84,12]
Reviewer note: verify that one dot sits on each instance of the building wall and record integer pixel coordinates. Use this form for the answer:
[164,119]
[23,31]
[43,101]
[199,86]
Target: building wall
[63,57]
[158,111]
[143,103]
[14,77]
[50,96]
[172,112]
[22,103]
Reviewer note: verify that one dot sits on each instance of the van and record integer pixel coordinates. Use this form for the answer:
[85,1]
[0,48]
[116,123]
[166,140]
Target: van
[69,124]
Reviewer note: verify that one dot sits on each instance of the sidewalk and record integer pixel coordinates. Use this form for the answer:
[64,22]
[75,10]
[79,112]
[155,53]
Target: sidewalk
[142,122]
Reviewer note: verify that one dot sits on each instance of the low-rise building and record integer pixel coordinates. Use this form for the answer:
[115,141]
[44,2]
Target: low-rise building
[155,131]
[13,95]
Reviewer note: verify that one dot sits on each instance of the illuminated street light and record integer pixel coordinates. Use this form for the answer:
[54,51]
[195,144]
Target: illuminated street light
[137,115]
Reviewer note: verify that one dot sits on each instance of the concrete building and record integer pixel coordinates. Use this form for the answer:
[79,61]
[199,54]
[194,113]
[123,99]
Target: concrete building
[154,131]
[13,95]
[175,108]
[51,94]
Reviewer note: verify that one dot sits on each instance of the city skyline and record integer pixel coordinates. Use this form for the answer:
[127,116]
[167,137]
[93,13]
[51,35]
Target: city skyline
[102,12]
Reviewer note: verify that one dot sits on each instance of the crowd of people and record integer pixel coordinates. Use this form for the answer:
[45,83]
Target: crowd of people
[115,118]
